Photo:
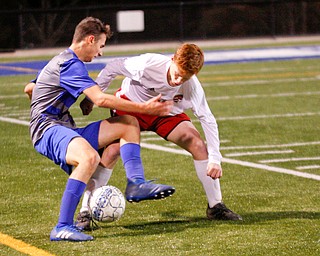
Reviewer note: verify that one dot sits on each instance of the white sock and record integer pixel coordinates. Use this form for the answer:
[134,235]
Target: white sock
[211,186]
[100,178]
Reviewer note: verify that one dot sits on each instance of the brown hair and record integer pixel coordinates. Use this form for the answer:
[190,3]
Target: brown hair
[91,26]
[189,58]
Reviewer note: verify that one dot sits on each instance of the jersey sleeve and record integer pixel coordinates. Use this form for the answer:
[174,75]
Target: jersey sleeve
[208,122]
[34,80]
[116,67]
[132,68]
[74,77]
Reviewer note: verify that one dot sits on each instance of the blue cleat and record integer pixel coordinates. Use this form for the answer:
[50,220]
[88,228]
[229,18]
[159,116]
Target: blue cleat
[139,191]
[68,233]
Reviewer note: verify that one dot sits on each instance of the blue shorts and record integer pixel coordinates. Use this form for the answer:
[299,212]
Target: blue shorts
[55,141]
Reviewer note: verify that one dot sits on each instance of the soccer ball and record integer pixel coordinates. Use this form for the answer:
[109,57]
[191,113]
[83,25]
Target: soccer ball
[107,204]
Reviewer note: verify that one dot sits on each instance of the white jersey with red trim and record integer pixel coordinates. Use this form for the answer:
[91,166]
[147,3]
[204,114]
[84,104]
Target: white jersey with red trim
[146,77]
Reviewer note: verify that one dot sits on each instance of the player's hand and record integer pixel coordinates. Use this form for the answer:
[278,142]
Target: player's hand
[214,171]
[86,106]
[157,107]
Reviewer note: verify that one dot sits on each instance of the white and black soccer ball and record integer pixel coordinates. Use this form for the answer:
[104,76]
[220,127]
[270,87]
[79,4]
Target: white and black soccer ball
[107,203]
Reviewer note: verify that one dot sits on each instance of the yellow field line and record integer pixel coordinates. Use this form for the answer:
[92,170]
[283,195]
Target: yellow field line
[23,247]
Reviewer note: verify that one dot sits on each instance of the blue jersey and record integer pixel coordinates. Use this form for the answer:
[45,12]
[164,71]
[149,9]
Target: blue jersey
[58,86]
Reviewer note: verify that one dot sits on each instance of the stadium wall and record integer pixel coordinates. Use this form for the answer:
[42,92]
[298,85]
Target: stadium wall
[48,24]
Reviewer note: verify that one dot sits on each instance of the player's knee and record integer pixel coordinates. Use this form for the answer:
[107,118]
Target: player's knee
[188,138]
[130,120]
[199,145]
[193,143]
[91,158]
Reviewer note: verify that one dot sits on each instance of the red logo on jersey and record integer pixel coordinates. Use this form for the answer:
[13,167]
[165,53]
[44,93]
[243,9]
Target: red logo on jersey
[178,98]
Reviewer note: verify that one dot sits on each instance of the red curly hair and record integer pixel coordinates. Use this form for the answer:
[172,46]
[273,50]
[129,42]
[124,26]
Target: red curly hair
[189,58]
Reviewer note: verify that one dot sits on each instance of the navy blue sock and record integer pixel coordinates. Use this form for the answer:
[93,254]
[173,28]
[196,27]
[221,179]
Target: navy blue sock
[70,200]
[130,155]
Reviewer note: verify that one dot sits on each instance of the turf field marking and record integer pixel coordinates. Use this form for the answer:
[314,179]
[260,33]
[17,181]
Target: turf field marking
[272,169]
[256,70]
[13,84]
[18,69]
[13,121]
[306,167]
[288,75]
[238,162]
[272,152]
[255,82]
[232,118]
[296,144]
[283,160]
[152,139]
[21,246]
[226,160]
[13,96]
[248,96]
[275,95]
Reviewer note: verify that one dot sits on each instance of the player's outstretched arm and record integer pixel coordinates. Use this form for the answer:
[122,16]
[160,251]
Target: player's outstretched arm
[152,107]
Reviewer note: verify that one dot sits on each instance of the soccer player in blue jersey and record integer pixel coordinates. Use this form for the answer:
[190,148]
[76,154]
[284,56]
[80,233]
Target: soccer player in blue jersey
[55,135]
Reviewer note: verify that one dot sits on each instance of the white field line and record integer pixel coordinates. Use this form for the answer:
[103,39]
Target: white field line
[260,70]
[14,84]
[82,124]
[296,144]
[170,144]
[148,133]
[4,108]
[158,138]
[16,110]
[248,96]
[270,152]
[233,118]
[238,162]
[283,160]
[13,121]
[307,167]
[20,116]
[183,152]
[13,96]
[165,149]
[253,96]
[258,82]
[272,169]
[80,118]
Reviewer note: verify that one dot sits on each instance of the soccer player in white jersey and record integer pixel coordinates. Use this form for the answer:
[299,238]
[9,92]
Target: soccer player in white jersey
[175,78]
[55,135]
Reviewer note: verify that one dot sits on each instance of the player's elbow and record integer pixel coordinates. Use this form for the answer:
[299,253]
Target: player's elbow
[28,89]
[101,101]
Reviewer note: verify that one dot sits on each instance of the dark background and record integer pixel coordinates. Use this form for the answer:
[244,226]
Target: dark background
[34,24]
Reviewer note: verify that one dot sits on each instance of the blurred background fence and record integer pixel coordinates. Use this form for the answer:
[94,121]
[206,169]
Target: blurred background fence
[35,24]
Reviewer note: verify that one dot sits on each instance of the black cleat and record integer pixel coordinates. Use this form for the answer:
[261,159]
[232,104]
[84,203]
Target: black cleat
[221,212]
[85,222]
